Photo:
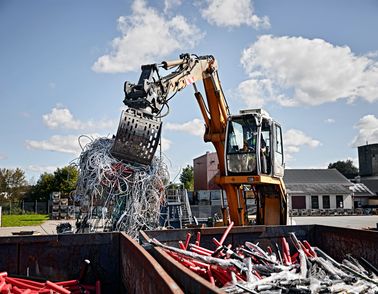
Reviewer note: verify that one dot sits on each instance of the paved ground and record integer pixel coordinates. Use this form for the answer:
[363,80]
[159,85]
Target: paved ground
[47,228]
[353,221]
[358,222]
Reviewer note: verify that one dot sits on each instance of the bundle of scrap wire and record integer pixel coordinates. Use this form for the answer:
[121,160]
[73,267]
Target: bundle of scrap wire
[118,196]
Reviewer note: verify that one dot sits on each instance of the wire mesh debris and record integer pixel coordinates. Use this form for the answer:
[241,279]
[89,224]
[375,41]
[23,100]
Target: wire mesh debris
[118,196]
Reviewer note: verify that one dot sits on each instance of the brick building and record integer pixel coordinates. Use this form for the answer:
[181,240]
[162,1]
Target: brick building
[205,168]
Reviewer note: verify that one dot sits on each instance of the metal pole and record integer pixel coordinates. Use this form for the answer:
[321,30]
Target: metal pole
[160,147]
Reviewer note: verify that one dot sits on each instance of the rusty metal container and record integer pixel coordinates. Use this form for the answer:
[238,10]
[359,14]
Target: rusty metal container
[119,262]
[335,241]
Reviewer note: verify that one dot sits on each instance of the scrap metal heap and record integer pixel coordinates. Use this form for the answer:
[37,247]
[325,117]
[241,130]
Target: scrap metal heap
[115,195]
[248,268]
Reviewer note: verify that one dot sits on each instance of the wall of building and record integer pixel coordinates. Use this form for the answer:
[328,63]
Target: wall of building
[200,173]
[347,201]
[362,201]
[212,170]
[368,160]
[373,201]
[205,168]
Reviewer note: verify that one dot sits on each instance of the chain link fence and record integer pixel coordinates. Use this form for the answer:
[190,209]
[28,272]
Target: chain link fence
[21,207]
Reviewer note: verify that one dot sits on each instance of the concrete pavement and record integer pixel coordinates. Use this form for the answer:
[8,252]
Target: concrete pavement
[47,228]
[357,222]
[352,221]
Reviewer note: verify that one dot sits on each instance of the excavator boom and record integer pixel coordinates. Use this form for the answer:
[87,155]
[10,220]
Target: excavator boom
[248,145]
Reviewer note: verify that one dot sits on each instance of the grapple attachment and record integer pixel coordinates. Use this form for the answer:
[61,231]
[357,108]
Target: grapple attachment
[137,138]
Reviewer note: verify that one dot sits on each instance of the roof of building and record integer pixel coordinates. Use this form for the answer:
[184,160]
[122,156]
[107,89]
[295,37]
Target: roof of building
[368,145]
[316,189]
[371,183]
[207,154]
[315,176]
[316,181]
[359,189]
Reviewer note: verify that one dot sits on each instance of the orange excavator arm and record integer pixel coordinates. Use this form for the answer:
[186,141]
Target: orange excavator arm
[147,101]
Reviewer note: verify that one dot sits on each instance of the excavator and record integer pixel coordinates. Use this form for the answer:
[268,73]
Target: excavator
[249,145]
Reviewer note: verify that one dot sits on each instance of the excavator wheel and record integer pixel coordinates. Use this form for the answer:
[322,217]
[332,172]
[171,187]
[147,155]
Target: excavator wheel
[137,138]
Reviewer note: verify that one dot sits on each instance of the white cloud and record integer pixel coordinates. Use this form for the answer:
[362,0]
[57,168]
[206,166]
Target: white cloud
[2,157]
[233,13]
[294,140]
[367,131]
[329,121]
[372,54]
[61,117]
[170,4]
[312,71]
[73,144]
[252,92]
[65,144]
[195,127]
[147,35]
[165,144]
[41,168]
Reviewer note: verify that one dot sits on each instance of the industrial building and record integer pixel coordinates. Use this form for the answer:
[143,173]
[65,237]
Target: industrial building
[368,160]
[368,167]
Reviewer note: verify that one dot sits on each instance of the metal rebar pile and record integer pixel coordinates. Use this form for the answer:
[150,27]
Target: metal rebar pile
[118,196]
[250,269]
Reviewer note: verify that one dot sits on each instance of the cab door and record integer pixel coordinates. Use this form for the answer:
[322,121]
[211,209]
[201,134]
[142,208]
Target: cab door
[278,155]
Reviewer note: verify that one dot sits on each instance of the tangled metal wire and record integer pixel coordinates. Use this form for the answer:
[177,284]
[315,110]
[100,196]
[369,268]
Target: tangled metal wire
[118,196]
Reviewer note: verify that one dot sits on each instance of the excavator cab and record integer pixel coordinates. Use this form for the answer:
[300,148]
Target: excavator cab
[249,149]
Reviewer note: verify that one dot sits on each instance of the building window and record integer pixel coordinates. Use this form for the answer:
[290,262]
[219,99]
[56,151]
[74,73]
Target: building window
[326,203]
[339,201]
[314,202]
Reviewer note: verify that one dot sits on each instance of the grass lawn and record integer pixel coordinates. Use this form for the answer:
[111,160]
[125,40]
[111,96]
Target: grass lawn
[15,220]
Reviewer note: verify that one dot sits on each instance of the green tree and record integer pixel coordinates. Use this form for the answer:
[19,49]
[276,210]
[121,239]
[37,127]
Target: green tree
[62,180]
[66,179]
[187,178]
[44,186]
[13,184]
[346,167]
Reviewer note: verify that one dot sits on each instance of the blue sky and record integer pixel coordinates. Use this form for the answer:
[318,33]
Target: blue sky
[313,65]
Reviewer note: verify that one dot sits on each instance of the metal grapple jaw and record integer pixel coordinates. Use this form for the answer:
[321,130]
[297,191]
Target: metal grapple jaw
[137,138]
[148,93]
[139,130]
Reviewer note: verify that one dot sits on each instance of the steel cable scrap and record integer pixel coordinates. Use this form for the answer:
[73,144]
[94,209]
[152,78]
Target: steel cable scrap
[118,196]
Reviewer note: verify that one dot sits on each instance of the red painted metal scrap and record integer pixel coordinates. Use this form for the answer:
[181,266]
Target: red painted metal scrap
[15,285]
[221,274]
